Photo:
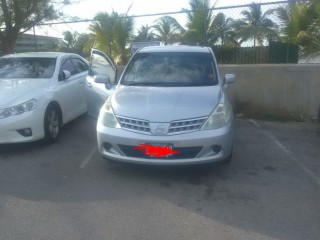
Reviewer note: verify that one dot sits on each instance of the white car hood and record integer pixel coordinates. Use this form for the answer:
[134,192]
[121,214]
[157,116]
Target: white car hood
[165,104]
[16,91]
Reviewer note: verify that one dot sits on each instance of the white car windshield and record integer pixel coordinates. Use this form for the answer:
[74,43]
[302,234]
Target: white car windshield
[27,67]
[171,69]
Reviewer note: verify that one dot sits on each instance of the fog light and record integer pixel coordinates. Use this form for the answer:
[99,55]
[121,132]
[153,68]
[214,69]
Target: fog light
[107,146]
[216,148]
[26,132]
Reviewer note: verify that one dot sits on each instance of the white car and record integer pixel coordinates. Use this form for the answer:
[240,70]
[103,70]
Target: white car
[40,92]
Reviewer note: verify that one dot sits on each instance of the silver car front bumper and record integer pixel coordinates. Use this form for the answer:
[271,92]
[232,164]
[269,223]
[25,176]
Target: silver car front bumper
[195,147]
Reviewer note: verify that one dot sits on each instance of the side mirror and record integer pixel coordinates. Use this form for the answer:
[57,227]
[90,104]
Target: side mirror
[229,78]
[103,79]
[64,75]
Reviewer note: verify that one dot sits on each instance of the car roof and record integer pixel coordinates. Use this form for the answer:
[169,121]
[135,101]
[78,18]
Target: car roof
[38,54]
[175,48]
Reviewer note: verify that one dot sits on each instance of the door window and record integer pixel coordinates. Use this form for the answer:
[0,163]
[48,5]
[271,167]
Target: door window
[67,65]
[102,65]
[80,65]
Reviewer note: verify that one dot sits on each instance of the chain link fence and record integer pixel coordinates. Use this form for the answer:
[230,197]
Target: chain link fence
[261,45]
[239,37]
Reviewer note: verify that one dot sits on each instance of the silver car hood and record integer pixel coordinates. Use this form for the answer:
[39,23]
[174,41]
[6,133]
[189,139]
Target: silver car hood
[165,104]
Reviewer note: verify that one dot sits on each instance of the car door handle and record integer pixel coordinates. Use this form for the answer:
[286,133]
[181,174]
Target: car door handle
[89,84]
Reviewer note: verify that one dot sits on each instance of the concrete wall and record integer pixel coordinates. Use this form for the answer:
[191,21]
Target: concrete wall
[289,90]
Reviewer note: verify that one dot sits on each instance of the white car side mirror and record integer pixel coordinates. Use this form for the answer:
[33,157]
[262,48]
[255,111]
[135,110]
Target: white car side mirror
[64,75]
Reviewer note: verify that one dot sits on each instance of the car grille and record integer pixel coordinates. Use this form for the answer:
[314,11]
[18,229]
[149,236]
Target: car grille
[179,126]
[184,152]
[134,124]
[186,125]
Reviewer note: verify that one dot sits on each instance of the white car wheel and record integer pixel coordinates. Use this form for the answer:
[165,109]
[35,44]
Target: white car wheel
[52,124]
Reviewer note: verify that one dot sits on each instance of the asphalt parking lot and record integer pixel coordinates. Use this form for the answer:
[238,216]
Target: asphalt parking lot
[271,189]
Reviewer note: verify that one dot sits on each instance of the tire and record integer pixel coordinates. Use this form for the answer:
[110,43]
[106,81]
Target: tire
[52,124]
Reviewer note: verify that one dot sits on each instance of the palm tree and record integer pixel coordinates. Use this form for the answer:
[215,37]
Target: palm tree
[113,32]
[123,35]
[256,25]
[199,20]
[300,25]
[222,29]
[294,20]
[312,49]
[145,33]
[103,29]
[167,30]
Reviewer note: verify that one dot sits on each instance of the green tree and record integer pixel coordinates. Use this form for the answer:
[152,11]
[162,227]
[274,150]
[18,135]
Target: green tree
[18,16]
[312,49]
[145,34]
[69,38]
[79,43]
[167,30]
[300,23]
[294,21]
[199,19]
[112,33]
[190,37]
[83,44]
[103,30]
[222,29]
[256,25]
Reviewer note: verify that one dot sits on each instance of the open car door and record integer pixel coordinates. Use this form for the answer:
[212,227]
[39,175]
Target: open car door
[97,93]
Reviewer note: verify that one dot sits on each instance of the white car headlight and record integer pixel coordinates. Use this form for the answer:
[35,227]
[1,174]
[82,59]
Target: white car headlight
[107,117]
[219,117]
[18,109]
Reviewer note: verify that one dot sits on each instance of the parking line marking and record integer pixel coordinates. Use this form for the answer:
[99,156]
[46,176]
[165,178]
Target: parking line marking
[289,154]
[293,158]
[88,158]
[255,123]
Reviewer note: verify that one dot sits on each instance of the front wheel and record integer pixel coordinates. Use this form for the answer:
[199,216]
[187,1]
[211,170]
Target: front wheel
[52,124]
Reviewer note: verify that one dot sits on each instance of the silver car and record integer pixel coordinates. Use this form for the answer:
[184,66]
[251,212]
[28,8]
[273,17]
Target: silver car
[168,108]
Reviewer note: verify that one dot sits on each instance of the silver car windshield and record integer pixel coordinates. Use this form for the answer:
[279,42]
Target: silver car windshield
[27,67]
[170,69]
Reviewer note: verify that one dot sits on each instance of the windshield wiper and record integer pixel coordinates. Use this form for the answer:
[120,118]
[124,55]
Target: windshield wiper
[176,84]
[144,84]
[133,84]
[167,84]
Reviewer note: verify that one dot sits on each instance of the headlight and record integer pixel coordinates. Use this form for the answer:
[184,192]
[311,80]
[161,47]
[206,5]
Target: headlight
[18,109]
[219,117]
[107,117]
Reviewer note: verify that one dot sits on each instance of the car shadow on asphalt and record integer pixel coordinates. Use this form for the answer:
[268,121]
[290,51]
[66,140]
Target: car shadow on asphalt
[194,174]
[11,148]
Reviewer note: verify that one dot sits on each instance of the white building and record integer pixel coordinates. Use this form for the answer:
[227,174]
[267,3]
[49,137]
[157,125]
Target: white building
[30,42]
